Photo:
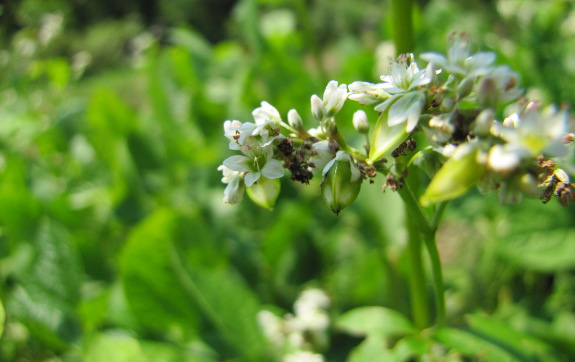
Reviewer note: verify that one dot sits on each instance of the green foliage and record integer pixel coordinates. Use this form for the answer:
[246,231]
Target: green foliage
[114,242]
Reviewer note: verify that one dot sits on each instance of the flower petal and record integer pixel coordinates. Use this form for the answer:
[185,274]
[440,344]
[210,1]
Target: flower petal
[273,169]
[237,163]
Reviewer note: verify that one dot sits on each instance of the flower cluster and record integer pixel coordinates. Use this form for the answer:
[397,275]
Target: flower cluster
[443,118]
[298,336]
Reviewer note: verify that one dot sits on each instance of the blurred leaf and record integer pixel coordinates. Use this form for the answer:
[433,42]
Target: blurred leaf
[411,347]
[544,251]
[373,348]
[49,291]
[374,321]
[2,318]
[152,287]
[519,344]
[117,348]
[472,345]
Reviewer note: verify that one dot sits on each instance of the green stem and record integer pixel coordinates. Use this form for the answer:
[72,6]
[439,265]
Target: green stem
[401,11]
[427,231]
[416,276]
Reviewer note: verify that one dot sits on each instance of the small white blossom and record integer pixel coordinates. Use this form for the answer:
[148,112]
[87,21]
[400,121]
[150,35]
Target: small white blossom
[303,356]
[272,327]
[459,61]
[310,308]
[321,155]
[259,163]
[367,93]
[334,97]
[234,192]
[267,112]
[360,122]
[404,77]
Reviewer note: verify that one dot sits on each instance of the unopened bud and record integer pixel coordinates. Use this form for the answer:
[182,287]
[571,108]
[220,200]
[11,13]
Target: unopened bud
[341,182]
[487,95]
[294,120]
[483,122]
[360,122]
[317,107]
[465,87]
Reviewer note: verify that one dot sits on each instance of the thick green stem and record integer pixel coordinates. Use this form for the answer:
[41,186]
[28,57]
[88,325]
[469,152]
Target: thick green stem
[419,305]
[420,225]
[402,25]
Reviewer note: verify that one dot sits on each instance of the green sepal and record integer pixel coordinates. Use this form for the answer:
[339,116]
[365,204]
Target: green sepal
[265,192]
[385,138]
[453,179]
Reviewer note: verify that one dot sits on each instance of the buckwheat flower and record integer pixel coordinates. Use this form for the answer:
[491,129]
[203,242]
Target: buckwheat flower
[440,129]
[234,192]
[334,97]
[233,133]
[303,356]
[310,308]
[367,93]
[322,154]
[500,84]
[404,77]
[272,327]
[459,61]
[267,112]
[257,163]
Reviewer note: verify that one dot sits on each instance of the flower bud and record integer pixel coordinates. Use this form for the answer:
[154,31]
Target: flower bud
[333,98]
[487,95]
[265,192]
[465,87]
[294,120]
[483,122]
[341,182]
[360,122]
[317,107]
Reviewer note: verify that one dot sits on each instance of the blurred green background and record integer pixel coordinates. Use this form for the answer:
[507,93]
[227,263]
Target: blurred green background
[115,244]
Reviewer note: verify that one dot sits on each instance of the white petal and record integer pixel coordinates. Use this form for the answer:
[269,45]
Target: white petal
[251,177]
[237,163]
[273,169]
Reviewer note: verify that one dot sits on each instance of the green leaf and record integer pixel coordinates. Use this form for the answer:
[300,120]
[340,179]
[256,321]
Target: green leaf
[49,291]
[373,348]
[152,287]
[377,321]
[472,345]
[117,348]
[504,335]
[544,251]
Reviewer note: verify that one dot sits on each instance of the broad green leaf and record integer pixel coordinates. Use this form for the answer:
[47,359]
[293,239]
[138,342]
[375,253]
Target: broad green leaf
[376,321]
[117,348]
[411,347]
[49,291]
[153,287]
[544,251]
[511,339]
[473,345]
[373,348]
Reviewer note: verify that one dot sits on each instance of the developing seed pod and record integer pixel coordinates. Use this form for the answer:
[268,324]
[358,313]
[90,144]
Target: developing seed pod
[341,182]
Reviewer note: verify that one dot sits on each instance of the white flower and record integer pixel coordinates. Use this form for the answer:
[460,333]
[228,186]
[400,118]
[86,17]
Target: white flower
[334,97]
[367,93]
[404,78]
[267,112]
[303,356]
[258,162]
[232,132]
[310,311]
[234,192]
[459,61]
[528,134]
[272,327]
